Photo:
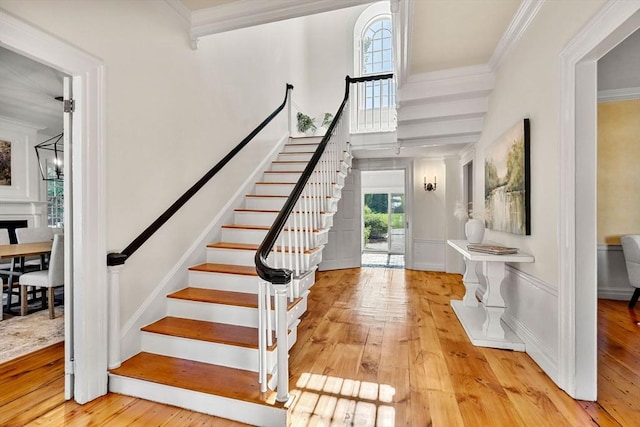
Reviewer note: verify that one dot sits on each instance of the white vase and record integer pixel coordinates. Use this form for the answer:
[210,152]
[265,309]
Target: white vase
[474,230]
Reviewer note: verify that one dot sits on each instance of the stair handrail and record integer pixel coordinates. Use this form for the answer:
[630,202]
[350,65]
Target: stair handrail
[283,275]
[279,280]
[119,258]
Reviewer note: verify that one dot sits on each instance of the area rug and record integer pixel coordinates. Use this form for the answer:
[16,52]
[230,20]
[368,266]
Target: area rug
[22,335]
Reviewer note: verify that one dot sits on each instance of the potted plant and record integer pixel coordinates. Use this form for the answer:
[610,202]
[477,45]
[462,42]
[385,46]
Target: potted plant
[474,227]
[306,124]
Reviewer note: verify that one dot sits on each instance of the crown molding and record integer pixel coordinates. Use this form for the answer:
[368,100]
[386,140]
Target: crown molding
[624,94]
[181,9]
[519,24]
[247,13]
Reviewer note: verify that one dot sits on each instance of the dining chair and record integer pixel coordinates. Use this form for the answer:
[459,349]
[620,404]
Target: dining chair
[34,235]
[51,278]
[631,251]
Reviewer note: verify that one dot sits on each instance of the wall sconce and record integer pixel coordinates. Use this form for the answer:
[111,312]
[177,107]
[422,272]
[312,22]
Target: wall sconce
[429,186]
[54,145]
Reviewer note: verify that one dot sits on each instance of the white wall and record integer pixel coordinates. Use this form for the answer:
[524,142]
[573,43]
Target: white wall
[171,114]
[429,216]
[527,85]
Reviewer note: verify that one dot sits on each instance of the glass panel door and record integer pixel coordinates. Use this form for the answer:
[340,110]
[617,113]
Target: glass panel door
[376,222]
[397,222]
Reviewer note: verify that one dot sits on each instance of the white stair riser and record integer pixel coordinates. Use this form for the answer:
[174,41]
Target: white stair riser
[251,236]
[265,203]
[224,282]
[267,218]
[296,148]
[209,352]
[304,157]
[284,189]
[246,257]
[279,189]
[306,140]
[227,314]
[281,176]
[276,203]
[234,409]
[297,166]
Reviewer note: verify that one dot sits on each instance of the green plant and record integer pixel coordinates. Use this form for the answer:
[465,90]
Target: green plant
[305,123]
[376,223]
[328,118]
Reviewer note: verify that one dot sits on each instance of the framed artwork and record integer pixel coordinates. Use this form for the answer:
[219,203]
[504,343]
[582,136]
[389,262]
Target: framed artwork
[507,182]
[5,162]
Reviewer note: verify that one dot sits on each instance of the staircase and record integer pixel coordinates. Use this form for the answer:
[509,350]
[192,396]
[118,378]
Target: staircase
[204,355]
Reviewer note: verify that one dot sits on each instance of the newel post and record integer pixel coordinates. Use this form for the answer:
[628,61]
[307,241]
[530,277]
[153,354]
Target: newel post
[281,291]
[114,315]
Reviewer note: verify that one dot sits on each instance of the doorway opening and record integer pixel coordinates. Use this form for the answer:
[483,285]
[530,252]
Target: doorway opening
[384,219]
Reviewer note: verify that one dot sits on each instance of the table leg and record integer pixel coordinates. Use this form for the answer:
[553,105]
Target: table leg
[492,300]
[471,283]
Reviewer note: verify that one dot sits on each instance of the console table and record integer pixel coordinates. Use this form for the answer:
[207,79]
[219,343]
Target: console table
[483,321]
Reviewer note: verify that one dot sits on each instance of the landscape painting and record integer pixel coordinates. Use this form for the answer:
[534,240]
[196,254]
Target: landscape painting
[507,180]
[5,163]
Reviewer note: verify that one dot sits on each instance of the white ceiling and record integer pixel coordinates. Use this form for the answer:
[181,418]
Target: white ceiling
[457,33]
[27,92]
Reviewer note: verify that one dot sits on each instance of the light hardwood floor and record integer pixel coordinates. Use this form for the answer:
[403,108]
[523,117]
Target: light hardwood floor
[377,347]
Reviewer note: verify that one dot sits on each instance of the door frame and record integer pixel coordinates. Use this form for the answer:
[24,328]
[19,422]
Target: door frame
[396,164]
[577,281]
[89,328]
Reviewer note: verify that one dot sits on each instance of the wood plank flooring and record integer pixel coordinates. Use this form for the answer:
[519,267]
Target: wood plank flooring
[377,347]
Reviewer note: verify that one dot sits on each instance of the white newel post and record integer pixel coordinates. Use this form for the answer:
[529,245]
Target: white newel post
[283,345]
[114,316]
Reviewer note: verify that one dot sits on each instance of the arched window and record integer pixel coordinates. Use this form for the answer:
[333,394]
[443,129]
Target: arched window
[377,48]
[373,54]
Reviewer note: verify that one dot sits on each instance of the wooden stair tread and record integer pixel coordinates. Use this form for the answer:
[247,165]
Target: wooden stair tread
[267,211]
[255,227]
[213,296]
[290,161]
[196,376]
[200,330]
[273,195]
[249,247]
[210,267]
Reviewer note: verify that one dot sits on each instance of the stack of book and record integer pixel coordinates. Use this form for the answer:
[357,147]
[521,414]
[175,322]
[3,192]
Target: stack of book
[492,249]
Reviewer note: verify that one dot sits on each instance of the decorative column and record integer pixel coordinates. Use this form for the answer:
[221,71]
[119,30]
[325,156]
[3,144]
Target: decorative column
[494,304]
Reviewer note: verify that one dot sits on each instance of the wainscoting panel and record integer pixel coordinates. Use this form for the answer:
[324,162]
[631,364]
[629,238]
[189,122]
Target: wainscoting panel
[532,314]
[429,255]
[613,282]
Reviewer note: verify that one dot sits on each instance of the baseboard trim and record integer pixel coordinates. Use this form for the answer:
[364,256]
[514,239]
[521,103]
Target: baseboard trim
[616,294]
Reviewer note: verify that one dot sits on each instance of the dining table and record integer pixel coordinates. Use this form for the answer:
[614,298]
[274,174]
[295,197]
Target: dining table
[15,252]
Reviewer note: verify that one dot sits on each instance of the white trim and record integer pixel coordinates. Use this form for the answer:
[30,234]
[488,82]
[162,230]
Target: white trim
[441,245]
[89,203]
[153,307]
[402,21]
[625,94]
[576,323]
[517,27]
[181,9]
[533,281]
[247,13]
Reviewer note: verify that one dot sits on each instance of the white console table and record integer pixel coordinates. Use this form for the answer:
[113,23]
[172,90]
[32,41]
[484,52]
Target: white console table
[482,321]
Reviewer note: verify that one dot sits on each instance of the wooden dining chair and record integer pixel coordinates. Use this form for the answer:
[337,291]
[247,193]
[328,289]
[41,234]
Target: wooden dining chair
[51,278]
